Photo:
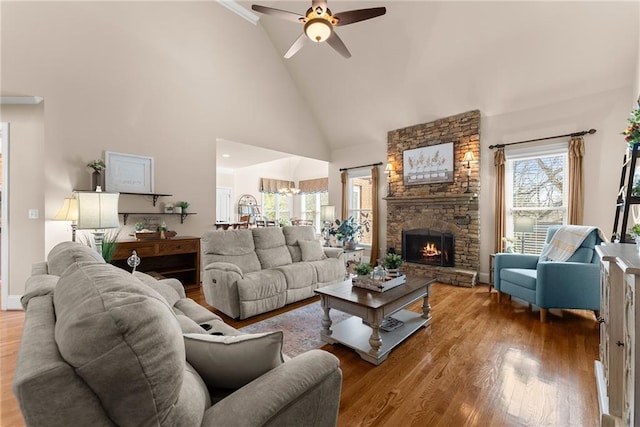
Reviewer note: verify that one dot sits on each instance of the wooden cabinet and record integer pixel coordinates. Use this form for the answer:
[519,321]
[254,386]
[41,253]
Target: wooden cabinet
[618,393]
[178,257]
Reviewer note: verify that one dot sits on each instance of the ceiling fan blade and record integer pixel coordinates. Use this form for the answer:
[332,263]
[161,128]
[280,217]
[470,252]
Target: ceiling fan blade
[351,16]
[296,46]
[282,14]
[336,42]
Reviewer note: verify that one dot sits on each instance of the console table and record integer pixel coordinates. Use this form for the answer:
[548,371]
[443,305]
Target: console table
[178,257]
[618,393]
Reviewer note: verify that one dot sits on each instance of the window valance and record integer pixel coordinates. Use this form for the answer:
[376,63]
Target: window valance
[317,185]
[270,185]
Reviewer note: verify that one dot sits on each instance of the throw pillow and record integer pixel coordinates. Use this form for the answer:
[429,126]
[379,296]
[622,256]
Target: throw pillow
[311,250]
[233,361]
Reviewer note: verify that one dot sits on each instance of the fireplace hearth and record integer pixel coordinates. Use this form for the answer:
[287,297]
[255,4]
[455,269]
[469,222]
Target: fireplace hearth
[431,247]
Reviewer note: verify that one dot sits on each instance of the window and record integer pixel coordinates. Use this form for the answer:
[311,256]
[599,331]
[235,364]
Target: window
[360,190]
[276,206]
[310,207]
[536,193]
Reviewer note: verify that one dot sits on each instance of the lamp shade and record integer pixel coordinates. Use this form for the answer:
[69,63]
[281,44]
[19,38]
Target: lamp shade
[523,224]
[468,157]
[327,213]
[97,210]
[389,168]
[68,211]
[318,29]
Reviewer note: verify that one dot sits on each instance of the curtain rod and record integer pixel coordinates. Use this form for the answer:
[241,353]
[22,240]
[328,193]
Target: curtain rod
[358,167]
[582,133]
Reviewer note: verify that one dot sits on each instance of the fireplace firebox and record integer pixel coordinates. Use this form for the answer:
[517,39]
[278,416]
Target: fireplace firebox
[425,246]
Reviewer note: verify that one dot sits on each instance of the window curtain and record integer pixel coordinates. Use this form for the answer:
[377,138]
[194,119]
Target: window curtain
[268,185]
[576,183]
[500,199]
[309,186]
[374,213]
[344,177]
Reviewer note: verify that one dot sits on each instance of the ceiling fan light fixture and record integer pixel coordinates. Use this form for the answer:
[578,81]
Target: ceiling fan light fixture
[318,30]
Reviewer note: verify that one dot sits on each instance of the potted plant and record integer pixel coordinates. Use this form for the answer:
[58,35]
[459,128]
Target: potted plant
[349,230]
[96,177]
[392,263]
[364,269]
[181,207]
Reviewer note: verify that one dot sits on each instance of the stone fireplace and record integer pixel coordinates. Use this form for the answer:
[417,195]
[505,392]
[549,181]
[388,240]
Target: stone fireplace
[430,247]
[427,213]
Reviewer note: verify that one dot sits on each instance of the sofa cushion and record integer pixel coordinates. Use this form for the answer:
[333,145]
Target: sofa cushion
[261,284]
[583,255]
[524,277]
[271,247]
[64,254]
[298,275]
[231,246]
[233,361]
[125,342]
[293,234]
[311,250]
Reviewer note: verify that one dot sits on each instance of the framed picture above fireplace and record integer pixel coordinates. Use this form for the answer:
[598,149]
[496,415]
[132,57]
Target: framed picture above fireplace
[428,165]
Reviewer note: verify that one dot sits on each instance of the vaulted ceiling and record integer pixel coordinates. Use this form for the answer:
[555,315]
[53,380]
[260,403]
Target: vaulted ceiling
[425,60]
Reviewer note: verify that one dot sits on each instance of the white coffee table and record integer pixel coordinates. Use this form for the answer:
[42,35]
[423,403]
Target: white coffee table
[370,342]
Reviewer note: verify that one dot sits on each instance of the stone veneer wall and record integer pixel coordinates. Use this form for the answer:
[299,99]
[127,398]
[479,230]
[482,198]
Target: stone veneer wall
[442,206]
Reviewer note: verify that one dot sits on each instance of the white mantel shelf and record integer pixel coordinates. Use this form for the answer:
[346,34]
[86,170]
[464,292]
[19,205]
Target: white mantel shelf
[432,199]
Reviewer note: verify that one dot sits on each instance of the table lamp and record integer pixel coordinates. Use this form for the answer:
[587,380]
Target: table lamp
[523,224]
[327,216]
[69,212]
[97,211]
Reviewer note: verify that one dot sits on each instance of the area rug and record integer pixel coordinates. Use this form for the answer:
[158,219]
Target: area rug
[301,327]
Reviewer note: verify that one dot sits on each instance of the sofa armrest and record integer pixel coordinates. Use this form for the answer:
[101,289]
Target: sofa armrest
[509,260]
[303,391]
[333,252]
[568,285]
[224,266]
[176,285]
[38,285]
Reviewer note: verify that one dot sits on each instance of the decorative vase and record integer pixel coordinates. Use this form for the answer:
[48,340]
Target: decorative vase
[177,209]
[349,244]
[96,180]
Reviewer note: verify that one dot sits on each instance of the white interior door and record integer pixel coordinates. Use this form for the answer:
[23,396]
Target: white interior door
[223,204]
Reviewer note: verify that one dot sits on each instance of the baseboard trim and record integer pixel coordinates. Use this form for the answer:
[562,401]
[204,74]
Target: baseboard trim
[483,278]
[13,302]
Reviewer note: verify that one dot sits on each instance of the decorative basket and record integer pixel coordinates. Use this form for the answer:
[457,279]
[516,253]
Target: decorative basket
[377,285]
[149,235]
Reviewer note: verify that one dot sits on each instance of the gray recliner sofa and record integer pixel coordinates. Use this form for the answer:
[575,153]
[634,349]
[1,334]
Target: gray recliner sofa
[103,347]
[248,272]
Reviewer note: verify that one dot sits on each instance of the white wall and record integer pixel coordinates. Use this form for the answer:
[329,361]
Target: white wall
[151,78]
[26,179]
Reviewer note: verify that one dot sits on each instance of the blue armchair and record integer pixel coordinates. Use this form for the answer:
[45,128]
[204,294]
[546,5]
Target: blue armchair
[549,284]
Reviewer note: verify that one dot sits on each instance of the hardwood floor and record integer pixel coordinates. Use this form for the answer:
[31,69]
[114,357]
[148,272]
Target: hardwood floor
[480,363]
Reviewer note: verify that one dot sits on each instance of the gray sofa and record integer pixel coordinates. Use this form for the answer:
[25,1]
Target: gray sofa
[248,272]
[103,347]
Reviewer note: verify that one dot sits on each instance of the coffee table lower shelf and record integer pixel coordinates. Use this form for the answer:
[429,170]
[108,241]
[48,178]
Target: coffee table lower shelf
[355,334]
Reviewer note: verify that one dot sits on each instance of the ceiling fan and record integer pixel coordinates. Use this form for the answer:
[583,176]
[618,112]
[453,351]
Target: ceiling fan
[319,22]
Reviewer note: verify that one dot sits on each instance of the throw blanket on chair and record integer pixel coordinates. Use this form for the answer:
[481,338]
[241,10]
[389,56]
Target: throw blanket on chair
[565,242]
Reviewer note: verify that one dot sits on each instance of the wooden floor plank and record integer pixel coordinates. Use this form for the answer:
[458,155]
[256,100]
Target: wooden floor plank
[480,363]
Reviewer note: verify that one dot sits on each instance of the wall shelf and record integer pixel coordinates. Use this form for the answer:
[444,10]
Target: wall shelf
[155,196]
[182,215]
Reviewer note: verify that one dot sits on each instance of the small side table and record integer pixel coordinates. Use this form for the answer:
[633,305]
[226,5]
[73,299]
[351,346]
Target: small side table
[492,258]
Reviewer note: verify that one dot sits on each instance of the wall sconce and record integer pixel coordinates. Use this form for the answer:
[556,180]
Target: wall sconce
[69,212]
[468,157]
[388,169]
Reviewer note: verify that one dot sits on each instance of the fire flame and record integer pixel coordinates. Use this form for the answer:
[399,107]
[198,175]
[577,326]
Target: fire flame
[430,250]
